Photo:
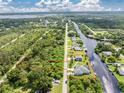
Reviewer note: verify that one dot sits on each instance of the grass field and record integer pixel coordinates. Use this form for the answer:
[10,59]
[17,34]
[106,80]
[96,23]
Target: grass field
[57,88]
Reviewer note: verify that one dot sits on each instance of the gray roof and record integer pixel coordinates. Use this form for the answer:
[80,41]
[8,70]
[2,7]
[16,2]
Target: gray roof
[77,47]
[121,70]
[77,56]
[107,52]
[81,69]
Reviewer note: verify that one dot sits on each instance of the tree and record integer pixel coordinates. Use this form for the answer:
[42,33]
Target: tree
[71,33]
[16,78]
[111,59]
[121,86]
[38,80]
[5,89]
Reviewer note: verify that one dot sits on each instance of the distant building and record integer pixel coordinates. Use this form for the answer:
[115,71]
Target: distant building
[78,58]
[120,70]
[107,43]
[117,64]
[91,36]
[121,55]
[107,53]
[81,70]
[117,49]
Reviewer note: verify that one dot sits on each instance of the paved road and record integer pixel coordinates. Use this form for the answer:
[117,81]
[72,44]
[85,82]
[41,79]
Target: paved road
[109,82]
[64,87]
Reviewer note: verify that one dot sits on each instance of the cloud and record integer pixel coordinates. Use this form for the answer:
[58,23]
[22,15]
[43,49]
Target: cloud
[66,5]
[4,3]
[88,5]
[5,7]
[54,6]
[110,9]
[11,9]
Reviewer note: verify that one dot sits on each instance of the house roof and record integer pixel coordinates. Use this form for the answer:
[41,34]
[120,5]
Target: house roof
[77,56]
[121,70]
[81,69]
[107,52]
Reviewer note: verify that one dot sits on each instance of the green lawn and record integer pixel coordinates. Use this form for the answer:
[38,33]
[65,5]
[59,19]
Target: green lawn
[121,60]
[112,68]
[69,41]
[57,88]
[20,90]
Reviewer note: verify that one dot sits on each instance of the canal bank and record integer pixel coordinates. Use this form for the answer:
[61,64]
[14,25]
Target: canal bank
[109,82]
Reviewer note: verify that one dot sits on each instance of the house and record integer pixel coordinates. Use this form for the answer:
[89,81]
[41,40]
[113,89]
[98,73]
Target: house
[120,70]
[78,58]
[76,47]
[117,49]
[81,70]
[107,53]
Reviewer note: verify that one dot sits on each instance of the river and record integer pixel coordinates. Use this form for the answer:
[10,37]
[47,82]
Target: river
[109,82]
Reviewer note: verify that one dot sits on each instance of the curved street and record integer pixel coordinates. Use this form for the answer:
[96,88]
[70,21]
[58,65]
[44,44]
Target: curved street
[109,82]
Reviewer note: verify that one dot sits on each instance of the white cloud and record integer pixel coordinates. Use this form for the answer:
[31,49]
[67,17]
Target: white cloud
[88,5]
[110,9]
[89,2]
[66,5]
[11,9]
[118,9]
[33,9]
[4,6]
[55,5]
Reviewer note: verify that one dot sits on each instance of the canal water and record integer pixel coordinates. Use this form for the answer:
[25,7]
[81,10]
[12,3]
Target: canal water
[109,82]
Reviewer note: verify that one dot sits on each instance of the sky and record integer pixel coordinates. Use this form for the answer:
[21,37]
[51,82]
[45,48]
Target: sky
[13,6]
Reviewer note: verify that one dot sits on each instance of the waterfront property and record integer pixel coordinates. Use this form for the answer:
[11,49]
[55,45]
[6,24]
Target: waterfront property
[81,70]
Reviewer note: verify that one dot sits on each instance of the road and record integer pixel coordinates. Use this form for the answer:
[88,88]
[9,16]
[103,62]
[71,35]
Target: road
[64,87]
[109,82]
[2,80]
[12,41]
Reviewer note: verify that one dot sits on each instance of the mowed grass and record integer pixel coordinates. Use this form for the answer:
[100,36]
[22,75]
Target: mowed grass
[57,88]
[121,60]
